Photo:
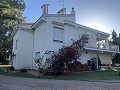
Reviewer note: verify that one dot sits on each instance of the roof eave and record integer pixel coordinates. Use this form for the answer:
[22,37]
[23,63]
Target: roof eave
[38,22]
[85,27]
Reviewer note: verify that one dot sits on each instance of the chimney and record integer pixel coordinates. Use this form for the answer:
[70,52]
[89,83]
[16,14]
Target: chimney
[73,11]
[45,8]
[62,11]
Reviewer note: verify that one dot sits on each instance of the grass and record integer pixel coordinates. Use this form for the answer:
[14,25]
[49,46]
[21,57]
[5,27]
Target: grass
[93,75]
[17,74]
[98,75]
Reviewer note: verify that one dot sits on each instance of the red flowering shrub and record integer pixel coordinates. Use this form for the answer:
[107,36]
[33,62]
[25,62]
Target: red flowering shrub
[68,54]
[74,67]
[66,58]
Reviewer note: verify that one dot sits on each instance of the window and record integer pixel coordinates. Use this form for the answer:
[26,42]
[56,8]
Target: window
[16,44]
[58,34]
[37,55]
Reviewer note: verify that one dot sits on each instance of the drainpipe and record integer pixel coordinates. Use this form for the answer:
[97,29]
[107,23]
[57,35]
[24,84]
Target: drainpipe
[99,41]
[106,44]
[33,51]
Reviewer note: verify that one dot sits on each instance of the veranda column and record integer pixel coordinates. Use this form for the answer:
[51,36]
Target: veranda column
[106,44]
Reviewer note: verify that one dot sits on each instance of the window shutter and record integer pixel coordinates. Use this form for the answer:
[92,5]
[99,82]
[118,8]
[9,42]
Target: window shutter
[57,34]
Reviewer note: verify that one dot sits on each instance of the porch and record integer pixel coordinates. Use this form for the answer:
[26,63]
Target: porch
[100,41]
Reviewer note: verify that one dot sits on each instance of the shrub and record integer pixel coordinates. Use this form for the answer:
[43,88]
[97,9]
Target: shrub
[49,73]
[75,67]
[58,67]
[38,63]
[119,73]
[66,57]
[7,62]
[85,67]
[11,68]
[23,70]
[116,58]
[2,59]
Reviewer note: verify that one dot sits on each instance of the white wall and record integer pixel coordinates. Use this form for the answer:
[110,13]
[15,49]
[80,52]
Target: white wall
[43,35]
[51,46]
[40,40]
[87,56]
[68,34]
[105,58]
[15,51]
[92,42]
[54,46]
[60,17]
[46,30]
[71,33]
[24,50]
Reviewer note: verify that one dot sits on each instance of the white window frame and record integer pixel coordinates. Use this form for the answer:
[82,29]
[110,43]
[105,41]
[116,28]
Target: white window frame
[57,38]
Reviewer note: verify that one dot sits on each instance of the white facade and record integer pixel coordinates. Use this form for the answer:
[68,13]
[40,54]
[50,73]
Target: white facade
[23,48]
[34,40]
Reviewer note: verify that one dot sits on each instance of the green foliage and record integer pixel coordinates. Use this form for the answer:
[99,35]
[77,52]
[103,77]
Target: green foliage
[119,73]
[116,41]
[114,37]
[10,14]
[2,59]
[7,62]
[23,70]
[116,58]
[38,63]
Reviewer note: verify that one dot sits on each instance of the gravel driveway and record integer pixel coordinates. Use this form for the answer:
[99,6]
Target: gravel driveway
[17,83]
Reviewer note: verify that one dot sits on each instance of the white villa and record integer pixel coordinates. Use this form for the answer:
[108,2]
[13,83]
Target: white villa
[51,32]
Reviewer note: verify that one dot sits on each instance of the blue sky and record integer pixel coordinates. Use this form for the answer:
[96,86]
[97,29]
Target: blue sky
[105,13]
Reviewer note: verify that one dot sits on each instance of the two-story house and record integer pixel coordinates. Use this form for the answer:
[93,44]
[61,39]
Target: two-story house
[51,32]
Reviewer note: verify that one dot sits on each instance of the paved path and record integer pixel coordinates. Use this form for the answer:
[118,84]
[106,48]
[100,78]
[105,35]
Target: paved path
[16,83]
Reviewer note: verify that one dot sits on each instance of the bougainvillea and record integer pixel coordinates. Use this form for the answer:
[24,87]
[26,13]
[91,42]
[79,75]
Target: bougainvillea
[66,58]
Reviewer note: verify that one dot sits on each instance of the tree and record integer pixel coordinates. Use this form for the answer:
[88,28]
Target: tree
[114,37]
[10,14]
[116,41]
[12,9]
[116,58]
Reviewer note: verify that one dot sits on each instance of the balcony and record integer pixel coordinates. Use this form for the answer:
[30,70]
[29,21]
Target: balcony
[100,41]
[110,47]
[103,46]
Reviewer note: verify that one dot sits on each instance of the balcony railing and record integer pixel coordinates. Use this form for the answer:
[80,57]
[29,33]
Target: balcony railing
[114,47]
[102,46]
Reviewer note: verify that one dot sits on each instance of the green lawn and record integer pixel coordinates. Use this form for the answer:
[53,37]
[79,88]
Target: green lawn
[17,74]
[94,75]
